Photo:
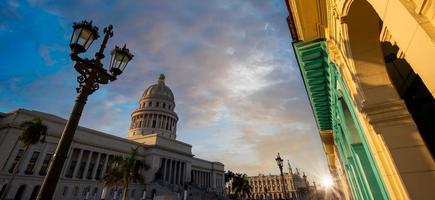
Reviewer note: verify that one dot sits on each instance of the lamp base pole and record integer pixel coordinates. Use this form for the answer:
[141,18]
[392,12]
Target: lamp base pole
[48,187]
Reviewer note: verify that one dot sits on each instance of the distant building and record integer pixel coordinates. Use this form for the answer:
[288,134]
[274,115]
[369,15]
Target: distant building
[270,186]
[368,68]
[153,130]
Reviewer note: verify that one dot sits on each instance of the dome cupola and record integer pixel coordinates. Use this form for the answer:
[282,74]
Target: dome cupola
[159,90]
[155,114]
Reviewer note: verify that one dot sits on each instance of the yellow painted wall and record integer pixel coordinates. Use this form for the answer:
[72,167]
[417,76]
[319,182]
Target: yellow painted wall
[403,160]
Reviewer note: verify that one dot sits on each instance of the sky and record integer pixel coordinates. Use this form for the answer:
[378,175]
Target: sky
[238,91]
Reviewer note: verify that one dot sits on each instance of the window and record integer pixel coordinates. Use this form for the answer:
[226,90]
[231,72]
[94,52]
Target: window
[45,164]
[157,104]
[90,170]
[32,162]
[76,191]
[71,168]
[65,191]
[86,191]
[21,190]
[164,105]
[35,192]
[154,123]
[81,169]
[97,175]
[169,107]
[17,158]
[95,192]
[133,191]
[150,103]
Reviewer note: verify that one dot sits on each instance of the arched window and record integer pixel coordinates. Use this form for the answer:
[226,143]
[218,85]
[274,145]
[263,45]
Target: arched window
[3,189]
[35,192]
[20,192]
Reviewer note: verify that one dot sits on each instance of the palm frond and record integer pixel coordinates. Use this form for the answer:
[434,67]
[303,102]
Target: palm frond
[32,132]
[125,169]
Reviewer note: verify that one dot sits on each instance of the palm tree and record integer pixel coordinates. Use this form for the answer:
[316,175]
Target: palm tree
[123,170]
[228,176]
[33,131]
[241,185]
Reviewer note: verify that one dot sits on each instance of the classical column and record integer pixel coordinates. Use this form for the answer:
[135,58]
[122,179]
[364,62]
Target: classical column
[68,161]
[202,178]
[25,159]
[194,176]
[88,162]
[176,173]
[183,172]
[152,119]
[208,179]
[41,158]
[170,124]
[163,169]
[106,160]
[79,160]
[147,120]
[163,122]
[168,170]
[171,171]
[97,163]
[160,117]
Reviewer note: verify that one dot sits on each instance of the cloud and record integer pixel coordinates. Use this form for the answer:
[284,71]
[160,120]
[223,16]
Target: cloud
[239,95]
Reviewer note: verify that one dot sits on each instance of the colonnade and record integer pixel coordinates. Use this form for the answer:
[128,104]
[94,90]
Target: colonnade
[202,178]
[86,164]
[158,121]
[173,171]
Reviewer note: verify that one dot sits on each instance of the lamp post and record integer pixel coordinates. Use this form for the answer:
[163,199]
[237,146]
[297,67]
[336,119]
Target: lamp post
[279,162]
[92,74]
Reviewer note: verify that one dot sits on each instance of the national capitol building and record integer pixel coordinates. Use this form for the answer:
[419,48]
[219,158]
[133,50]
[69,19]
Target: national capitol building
[153,129]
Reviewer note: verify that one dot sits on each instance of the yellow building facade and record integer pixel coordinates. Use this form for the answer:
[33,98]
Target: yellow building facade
[369,70]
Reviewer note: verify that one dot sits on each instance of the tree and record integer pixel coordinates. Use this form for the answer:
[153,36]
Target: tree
[123,170]
[241,185]
[32,132]
[228,176]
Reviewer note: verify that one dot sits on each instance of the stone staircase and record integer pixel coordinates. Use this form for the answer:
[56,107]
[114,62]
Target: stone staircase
[175,192]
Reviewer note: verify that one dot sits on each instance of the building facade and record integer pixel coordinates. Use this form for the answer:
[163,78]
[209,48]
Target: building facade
[271,186]
[368,68]
[296,186]
[173,167]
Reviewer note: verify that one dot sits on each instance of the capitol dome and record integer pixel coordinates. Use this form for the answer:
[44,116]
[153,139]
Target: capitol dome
[159,90]
[155,113]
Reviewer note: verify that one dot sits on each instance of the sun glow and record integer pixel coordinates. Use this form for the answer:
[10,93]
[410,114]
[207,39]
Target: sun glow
[327,182]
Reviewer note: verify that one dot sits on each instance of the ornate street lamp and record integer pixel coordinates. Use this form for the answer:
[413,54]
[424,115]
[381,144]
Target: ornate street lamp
[92,74]
[83,36]
[279,162]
